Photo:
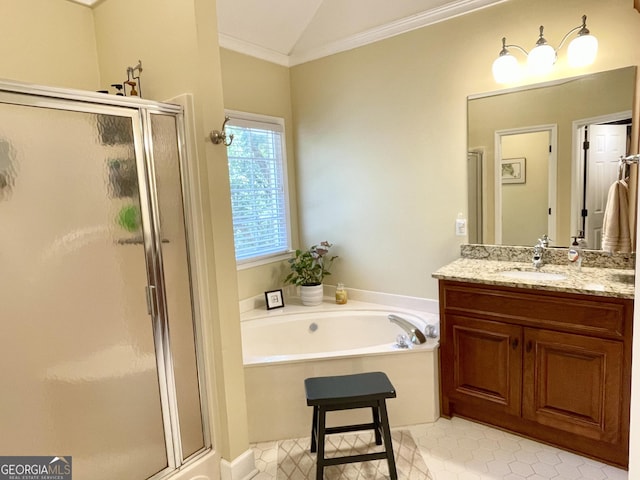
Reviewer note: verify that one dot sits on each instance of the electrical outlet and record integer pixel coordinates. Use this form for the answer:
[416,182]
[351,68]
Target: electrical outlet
[461,227]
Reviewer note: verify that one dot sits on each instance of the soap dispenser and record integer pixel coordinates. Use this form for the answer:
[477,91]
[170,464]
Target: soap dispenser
[575,253]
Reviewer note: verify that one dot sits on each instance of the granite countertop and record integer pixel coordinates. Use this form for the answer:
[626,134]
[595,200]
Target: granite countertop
[608,282]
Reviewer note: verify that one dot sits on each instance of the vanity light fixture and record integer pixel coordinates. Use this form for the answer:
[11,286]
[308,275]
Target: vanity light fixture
[540,60]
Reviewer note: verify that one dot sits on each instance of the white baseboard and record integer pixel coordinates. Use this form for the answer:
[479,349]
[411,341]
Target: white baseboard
[242,467]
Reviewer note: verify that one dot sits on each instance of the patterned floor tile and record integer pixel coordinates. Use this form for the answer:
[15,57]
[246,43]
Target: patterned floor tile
[454,449]
[295,462]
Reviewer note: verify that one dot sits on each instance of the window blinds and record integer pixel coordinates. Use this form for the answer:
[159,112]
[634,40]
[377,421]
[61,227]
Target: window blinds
[258,189]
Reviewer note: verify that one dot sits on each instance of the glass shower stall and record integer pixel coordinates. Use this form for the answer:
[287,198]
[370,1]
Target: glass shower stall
[98,324]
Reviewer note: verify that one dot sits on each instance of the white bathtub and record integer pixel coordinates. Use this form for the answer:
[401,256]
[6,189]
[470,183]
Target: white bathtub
[320,334]
[283,347]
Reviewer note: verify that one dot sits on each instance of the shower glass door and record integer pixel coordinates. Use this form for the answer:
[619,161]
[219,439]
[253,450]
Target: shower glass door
[82,374]
[177,303]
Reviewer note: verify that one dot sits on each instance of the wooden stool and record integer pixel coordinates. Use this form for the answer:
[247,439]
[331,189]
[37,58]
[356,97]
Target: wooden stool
[363,390]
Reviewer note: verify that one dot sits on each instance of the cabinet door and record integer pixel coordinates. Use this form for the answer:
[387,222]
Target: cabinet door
[573,383]
[482,364]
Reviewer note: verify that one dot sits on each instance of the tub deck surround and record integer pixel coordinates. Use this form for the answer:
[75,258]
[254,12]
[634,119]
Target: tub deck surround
[357,299]
[428,310]
[293,305]
[485,264]
[276,403]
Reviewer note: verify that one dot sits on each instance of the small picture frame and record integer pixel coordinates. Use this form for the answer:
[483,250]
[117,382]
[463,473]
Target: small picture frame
[274,299]
[513,170]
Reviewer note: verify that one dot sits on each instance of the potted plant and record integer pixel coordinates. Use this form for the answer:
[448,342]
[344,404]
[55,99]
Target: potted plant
[308,269]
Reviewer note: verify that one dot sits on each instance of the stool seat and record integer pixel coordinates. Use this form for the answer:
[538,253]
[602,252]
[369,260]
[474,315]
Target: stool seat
[337,389]
[343,392]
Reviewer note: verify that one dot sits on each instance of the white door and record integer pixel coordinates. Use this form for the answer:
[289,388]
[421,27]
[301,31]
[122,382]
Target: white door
[606,144]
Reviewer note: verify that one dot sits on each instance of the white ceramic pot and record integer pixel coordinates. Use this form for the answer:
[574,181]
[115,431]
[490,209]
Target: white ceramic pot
[311,295]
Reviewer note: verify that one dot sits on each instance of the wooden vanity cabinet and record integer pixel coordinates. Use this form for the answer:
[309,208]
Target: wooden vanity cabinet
[481,365]
[551,366]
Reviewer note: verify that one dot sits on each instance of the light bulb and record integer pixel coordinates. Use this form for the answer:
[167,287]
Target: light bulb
[541,59]
[582,50]
[505,68]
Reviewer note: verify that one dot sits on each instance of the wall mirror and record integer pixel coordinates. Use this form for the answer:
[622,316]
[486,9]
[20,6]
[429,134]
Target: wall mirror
[528,173]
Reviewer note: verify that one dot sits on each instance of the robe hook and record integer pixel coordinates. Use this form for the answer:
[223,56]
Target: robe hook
[220,136]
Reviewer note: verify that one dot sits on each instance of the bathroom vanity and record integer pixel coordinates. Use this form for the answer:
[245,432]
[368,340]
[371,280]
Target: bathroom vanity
[548,359]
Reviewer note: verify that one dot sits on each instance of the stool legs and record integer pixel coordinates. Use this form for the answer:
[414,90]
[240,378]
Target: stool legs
[376,424]
[314,429]
[386,433]
[320,461]
[380,426]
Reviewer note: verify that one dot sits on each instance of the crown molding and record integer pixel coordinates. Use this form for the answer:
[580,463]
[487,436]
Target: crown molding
[430,17]
[253,50]
[414,22]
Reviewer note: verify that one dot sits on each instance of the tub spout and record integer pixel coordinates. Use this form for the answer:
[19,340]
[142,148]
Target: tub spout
[417,337]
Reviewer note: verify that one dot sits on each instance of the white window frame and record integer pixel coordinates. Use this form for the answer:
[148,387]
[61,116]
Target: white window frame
[247,118]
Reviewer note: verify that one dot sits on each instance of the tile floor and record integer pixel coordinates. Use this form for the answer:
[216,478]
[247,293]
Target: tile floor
[458,449]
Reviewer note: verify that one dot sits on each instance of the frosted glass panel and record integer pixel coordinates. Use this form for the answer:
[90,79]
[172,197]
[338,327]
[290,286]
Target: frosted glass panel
[78,369]
[177,280]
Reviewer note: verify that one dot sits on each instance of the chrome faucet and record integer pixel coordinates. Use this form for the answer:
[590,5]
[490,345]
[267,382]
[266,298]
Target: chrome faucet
[416,336]
[544,240]
[538,251]
[431,332]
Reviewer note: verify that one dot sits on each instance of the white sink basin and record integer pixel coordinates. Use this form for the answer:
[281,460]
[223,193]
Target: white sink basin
[533,275]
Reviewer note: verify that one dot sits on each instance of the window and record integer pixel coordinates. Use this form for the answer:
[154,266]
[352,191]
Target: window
[259,199]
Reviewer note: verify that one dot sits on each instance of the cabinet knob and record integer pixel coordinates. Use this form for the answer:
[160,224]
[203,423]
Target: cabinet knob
[514,343]
[529,346]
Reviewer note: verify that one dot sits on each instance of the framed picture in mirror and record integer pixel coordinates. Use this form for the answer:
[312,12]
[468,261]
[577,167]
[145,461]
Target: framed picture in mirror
[514,170]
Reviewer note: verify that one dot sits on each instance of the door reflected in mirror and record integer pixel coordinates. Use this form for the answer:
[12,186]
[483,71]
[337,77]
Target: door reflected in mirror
[523,199]
[570,134]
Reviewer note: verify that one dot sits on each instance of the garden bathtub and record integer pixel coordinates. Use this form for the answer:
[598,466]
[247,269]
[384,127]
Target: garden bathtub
[283,347]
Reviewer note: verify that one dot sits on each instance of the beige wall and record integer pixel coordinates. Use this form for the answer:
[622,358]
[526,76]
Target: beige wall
[49,43]
[256,86]
[58,43]
[381,133]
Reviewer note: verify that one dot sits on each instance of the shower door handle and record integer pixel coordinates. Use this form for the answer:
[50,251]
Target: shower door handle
[150,291]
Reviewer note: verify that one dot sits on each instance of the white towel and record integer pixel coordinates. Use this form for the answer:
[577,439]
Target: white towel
[616,234]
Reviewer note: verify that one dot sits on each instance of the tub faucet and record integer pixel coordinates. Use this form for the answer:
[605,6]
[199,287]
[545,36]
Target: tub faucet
[417,337]
[431,331]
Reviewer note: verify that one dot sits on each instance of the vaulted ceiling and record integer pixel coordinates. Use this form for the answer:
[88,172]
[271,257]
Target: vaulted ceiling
[289,32]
